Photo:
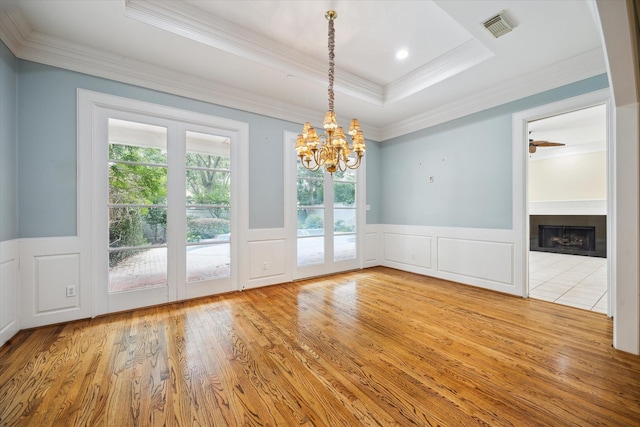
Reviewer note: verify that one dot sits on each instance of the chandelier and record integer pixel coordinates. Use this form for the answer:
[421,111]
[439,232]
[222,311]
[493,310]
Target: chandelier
[330,149]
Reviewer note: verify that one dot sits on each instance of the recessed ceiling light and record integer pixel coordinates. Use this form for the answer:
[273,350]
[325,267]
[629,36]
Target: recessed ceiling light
[402,54]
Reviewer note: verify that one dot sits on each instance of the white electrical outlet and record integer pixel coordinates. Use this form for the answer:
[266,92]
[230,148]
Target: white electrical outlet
[71,291]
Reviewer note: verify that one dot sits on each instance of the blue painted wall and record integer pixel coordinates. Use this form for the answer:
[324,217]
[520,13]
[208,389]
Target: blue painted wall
[8,145]
[374,183]
[471,161]
[470,158]
[47,148]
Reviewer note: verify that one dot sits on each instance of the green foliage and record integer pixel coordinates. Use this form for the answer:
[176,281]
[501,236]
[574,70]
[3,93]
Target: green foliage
[348,175]
[156,218]
[310,192]
[314,221]
[344,193]
[210,183]
[342,226]
[141,182]
[135,184]
[206,228]
[125,230]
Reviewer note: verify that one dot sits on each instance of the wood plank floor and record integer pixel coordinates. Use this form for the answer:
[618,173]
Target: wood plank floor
[377,348]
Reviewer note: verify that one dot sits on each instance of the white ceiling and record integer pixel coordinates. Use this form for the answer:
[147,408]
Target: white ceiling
[270,57]
[582,131]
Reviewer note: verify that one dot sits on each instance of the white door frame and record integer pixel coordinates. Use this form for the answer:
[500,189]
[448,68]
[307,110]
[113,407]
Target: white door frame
[90,104]
[290,218]
[520,122]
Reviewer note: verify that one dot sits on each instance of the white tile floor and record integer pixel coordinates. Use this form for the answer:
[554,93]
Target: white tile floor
[577,281]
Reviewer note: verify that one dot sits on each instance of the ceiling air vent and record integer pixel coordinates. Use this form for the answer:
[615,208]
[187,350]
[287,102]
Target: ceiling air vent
[498,25]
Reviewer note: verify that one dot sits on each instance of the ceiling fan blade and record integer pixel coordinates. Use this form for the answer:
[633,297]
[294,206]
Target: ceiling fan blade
[545,144]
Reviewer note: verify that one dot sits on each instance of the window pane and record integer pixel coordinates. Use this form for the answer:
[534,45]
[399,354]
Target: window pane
[137,269]
[130,153]
[136,184]
[306,173]
[208,187]
[310,192]
[348,175]
[137,142]
[207,161]
[208,261]
[344,193]
[208,223]
[130,227]
[208,178]
[310,250]
[207,150]
[311,221]
[344,220]
[344,247]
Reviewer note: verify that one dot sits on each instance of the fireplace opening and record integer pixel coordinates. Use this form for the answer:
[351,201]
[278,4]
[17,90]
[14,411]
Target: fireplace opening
[567,239]
[584,235]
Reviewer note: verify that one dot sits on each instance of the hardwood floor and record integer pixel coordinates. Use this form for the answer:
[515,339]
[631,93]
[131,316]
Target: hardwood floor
[378,348]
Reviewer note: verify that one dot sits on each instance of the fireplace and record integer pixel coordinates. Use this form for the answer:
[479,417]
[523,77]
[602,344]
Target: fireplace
[569,234]
[567,239]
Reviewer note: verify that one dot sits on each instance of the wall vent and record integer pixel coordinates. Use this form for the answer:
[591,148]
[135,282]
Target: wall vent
[498,25]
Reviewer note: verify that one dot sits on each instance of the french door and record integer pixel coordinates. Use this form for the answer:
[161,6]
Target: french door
[328,219]
[164,222]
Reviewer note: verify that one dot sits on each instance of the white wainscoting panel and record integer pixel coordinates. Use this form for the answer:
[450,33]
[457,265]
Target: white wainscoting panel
[9,290]
[267,259]
[408,249]
[478,257]
[268,251]
[48,266]
[491,261]
[53,273]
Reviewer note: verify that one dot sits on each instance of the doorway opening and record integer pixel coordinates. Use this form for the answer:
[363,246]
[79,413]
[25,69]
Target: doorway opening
[567,203]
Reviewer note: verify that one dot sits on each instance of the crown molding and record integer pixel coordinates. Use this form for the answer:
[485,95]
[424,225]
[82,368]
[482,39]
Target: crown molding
[13,28]
[571,70]
[32,46]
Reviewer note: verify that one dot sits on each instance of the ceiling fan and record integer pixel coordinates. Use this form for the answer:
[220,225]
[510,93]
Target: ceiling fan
[533,145]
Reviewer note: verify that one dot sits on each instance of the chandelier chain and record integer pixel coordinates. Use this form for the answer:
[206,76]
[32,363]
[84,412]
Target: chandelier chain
[332,45]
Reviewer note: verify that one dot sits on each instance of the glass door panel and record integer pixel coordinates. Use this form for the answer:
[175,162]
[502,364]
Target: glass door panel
[208,207]
[344,234]
[137,209]
[310,216]
[344,216]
